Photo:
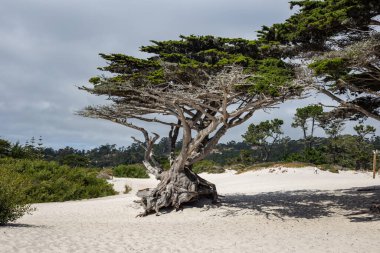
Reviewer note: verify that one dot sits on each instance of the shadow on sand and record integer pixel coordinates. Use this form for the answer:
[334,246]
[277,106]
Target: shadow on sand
[352,203]
[21,225]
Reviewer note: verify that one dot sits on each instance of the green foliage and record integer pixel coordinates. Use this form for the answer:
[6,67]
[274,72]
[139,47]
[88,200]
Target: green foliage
[202,49]
[264,135]
[245,157]
[132,170]
[52,182]
[187,55]
[75,160]
[164,162]
[207,166]
[334,68]
[332,127]
[94,80]
[270,75]
[352,70]
[258,134]
[230,153]
[305,116]
[317,20]
[123,64]
[310,112]
[13,199]
[5,148]
[188,60]
[362,131]
[314,156]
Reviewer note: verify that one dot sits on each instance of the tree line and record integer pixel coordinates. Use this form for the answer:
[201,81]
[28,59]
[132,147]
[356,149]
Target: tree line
[262,142]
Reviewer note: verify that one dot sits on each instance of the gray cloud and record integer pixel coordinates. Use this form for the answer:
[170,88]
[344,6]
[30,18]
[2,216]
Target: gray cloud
[49,46]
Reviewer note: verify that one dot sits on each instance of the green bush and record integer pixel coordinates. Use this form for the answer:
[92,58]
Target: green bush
[207,166]
[51,182]
[132,170]
[314,156]
[13,198]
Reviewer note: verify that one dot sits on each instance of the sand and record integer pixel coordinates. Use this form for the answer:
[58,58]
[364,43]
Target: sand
[286,210]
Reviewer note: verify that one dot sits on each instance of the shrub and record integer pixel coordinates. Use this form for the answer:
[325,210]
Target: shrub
[207,166]
[314,156]
[52,182]
[132,170]
[13,199]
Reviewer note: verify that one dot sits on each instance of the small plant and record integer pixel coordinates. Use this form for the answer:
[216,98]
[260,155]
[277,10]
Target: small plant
[127,189]
[329,167]
[13,201]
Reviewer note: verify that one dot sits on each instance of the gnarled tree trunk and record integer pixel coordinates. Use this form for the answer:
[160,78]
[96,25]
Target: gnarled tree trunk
[177,186]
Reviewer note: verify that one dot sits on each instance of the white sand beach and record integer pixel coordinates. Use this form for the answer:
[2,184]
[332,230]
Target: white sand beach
[287,210]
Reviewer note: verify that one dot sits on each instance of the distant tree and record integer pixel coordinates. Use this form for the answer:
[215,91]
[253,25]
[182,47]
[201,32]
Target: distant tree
[362,131]
[245,157]
[333,128]
[75,160]
[5,148]
[264,135]
[306,118]
[376,142]
[18,151]
[363,146]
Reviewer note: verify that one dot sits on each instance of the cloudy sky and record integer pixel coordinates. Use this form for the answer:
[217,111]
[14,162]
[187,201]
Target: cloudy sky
[48,47]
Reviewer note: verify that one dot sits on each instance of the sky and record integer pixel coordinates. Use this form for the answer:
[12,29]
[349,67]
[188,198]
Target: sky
[50,47]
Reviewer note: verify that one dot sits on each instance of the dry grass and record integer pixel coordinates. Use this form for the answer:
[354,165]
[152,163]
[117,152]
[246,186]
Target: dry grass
[127,189]
[241,169]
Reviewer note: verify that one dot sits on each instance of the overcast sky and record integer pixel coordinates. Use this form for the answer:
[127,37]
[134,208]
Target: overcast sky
[47,47]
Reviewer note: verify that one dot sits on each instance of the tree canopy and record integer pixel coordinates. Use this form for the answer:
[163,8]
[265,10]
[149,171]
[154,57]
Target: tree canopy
[264,135]
[339,41]
[201,85]
[317,21]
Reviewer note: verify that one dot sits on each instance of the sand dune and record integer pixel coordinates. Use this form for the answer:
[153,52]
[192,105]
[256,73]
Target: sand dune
[283,211]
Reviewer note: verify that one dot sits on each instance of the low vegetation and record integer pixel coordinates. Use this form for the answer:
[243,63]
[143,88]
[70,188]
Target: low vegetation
[50,182]
[330,167]
[13,199]
[207,166]
[132,170]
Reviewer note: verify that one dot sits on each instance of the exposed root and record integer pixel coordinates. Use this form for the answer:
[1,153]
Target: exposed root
[175,189]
